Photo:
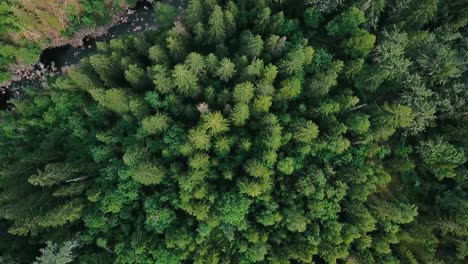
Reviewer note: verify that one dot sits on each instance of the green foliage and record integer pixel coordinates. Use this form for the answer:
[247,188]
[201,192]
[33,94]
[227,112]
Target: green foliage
[286,166]
[53,174]
[8,22]
[27,27]
[306,131]
[243,92]
[185,81]
[233,208]
[165,14]
[248,132]
[441,157]
[312,18]
[216,25]
[55,254]
[155,124]
[359,45]
[114,99]
[214,123]
[252,45]
[158,218]
[346,23]
[226,70]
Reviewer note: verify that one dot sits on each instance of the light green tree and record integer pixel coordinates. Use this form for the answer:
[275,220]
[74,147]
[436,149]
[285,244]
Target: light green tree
[214,123]
[216,25]
[155,124]
[57,254]
[226,70]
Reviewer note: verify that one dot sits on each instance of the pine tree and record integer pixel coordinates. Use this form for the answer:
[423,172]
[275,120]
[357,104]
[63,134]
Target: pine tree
[262,20]
[306,131]
[214,123]
[243,92]
[240,114]
[185,80]
[275,45]
[175,43]
[162,80]
[158,55]
[390,118]
[286,166]
[67,212]
[57,254]
[81,80]
[226,70]
[346,23]
[230,22]
[200,33]
[148,173]
[262,104]
[136,77]
[53,174]
[199,162]
[114,99]
[196,63]
[216,25]
[256,169]
[106,68]
[155,124]
[251,45]
[165,14]
[359,45]
[223,145]
[321,83]
[295,60]
[441,157]
[194,13]
[233,208]
[290,89]
[199,139]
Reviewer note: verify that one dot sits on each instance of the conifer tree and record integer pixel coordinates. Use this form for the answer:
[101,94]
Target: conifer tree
[252,45]
[148,173]
[162,80]
[185,80]
[245,132]
[52,174]
[226,70]
[194,12]
[216,25]
[57,254]
[155,124]
[240,114]
[214,123]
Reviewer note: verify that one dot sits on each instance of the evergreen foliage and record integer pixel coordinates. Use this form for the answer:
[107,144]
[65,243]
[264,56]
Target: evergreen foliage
[249,132]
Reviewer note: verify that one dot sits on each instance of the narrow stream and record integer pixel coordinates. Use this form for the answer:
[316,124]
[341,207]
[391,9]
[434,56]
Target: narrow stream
[55,61]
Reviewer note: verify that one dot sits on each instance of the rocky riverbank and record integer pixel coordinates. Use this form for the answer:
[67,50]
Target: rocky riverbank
[29,72]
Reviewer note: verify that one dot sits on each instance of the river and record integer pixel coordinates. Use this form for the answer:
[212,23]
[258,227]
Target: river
[55,61]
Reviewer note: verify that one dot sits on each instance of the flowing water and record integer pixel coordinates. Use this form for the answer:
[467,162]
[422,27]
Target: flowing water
[55,61]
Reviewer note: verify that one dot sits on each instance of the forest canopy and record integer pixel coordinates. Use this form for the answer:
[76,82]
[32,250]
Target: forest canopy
[270,131]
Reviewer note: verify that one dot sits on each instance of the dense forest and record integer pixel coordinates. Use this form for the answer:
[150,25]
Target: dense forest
[27,26]
[268,131]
